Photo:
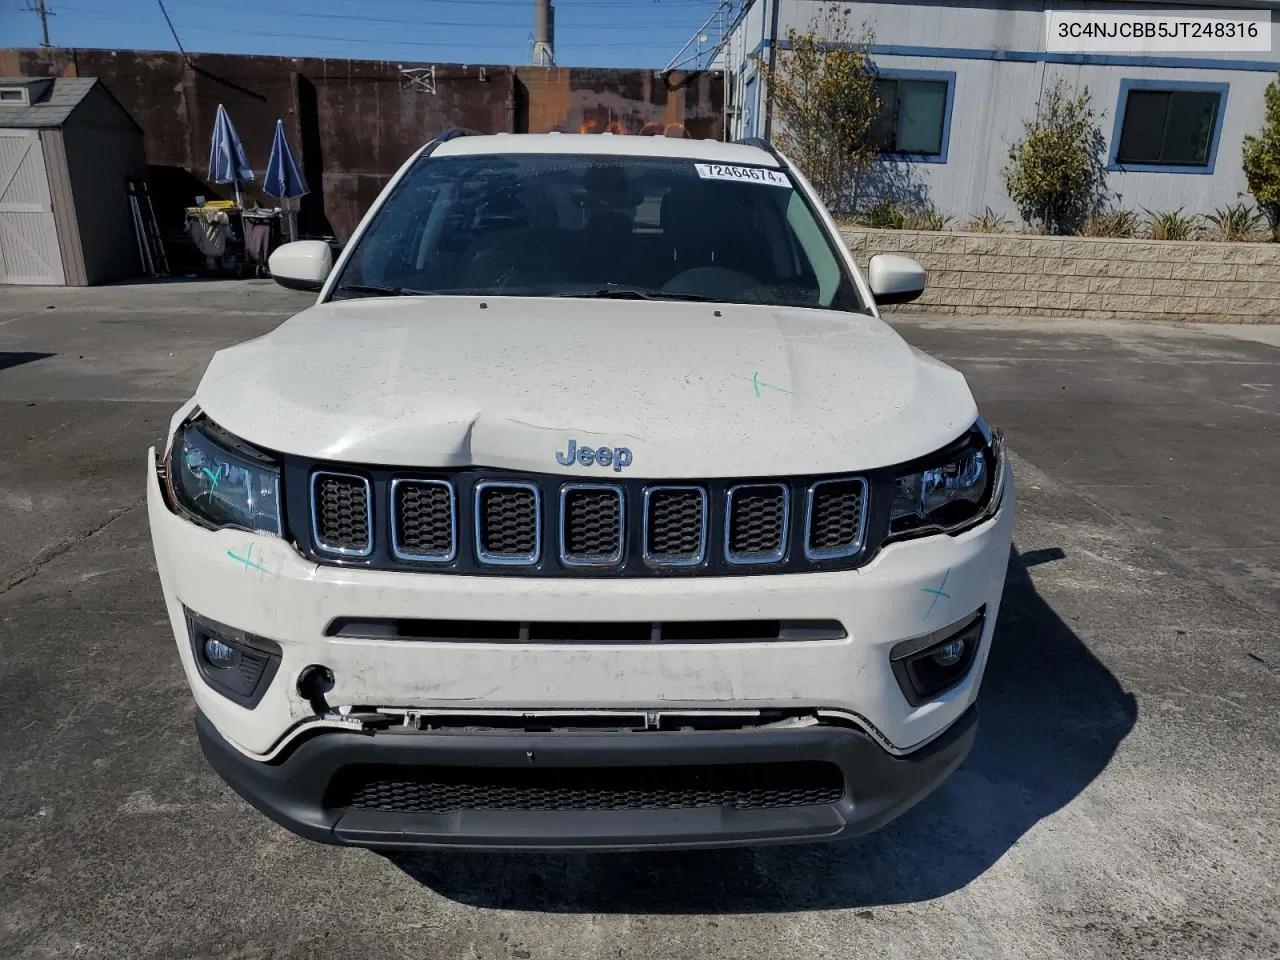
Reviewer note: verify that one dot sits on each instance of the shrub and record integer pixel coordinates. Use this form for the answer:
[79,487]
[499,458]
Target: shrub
[823,91]
[1057,172]
[891,215]
[1112,223]
[1169,224]
[884,215]
[987,222]
[1261,161]
[1236,224]
[927,218]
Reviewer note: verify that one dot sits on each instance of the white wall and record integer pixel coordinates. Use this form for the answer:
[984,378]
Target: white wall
[994,97]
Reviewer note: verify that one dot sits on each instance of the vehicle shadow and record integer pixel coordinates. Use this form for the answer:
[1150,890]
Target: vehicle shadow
[18,358]
[1052,717]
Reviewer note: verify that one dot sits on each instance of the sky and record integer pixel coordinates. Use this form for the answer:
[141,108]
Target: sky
[596,33]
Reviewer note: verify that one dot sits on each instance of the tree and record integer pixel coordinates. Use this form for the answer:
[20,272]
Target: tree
[1057,172]
[823,89]
[1262,160]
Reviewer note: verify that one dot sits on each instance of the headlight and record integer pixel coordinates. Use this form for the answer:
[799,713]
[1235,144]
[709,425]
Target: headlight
[961,491]
[223,481]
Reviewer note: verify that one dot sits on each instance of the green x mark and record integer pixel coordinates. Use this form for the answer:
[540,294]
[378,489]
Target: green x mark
[247,560]
[938,593]
[756,384]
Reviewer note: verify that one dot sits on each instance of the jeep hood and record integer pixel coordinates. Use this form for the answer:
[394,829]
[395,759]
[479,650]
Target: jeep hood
[692,389]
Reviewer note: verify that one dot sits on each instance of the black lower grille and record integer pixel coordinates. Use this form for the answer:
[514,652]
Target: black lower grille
[452,789]
[342,523]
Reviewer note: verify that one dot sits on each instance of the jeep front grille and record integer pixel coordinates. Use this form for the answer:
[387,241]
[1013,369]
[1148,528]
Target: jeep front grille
[508,522]
[497,523]
[342,513]
[592,524]
[835,521]
[675,525]
[424,520]
[755,525]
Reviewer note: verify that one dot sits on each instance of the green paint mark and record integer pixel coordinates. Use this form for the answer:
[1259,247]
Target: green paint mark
[937,592]
[757,383]
[247,560]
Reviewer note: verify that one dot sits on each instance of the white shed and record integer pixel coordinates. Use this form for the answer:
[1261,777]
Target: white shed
[67,152]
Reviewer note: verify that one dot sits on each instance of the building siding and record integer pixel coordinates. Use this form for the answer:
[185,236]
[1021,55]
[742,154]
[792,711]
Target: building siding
[64,207]
[996,49]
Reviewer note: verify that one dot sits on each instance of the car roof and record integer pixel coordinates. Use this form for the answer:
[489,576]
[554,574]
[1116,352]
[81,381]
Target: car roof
[606,144]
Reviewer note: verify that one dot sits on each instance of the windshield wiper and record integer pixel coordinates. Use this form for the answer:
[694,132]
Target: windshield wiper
[373,290]
[634,293]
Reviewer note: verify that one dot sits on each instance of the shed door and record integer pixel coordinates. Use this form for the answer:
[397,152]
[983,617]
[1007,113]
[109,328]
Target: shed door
[28,238]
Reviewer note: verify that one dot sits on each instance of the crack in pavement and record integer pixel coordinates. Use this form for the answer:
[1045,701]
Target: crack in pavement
[59,549]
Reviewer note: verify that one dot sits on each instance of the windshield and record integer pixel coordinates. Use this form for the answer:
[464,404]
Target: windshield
[575,225]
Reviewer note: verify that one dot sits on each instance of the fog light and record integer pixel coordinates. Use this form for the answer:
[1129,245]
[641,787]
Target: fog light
[219,654]
[927,667]
[238,665]
[949,654]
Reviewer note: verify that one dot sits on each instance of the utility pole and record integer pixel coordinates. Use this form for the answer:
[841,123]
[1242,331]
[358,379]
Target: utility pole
[544,33]
[37,6]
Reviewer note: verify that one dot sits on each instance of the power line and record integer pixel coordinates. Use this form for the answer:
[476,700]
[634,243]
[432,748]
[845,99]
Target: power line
[637,5]
[173,31]
[373,41]
[629,27]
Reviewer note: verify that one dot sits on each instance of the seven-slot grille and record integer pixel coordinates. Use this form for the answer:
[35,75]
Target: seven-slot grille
[590,524]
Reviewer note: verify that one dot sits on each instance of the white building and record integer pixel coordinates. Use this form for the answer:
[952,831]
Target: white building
[959,78]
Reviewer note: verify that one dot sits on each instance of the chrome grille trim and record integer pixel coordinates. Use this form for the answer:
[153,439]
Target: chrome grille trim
[657,560]
[611,560]
[523,560]
[396,550]
[761,558]
[368,510]
[861,537]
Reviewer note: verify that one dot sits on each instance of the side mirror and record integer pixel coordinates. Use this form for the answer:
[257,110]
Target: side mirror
[301,265]
[895,279]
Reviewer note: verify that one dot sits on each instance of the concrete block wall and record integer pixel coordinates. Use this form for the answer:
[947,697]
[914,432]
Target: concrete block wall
[1085,276]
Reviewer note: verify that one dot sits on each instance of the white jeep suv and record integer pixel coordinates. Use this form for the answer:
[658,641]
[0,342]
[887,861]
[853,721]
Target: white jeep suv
[592,505]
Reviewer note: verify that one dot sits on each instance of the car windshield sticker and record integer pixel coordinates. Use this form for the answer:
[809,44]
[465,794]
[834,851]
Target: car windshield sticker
[720,171]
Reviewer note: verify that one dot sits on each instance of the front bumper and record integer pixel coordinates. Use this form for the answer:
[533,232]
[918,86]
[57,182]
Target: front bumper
[261,585]
[296,789]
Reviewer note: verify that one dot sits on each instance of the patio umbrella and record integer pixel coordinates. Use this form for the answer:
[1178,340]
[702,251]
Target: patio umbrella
[227,160]
[282,178]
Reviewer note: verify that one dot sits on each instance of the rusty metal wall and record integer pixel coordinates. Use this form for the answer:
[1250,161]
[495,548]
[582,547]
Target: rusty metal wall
[619,101]
[352,123]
